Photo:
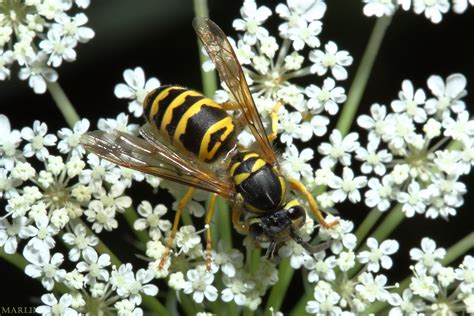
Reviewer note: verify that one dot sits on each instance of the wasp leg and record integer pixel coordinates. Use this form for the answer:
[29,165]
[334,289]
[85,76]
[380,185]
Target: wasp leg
[238,225]
[274,115]
[298,186]
[210,214]
[182,204]
[230,106]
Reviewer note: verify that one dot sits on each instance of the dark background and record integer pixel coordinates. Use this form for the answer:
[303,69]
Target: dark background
[157,35]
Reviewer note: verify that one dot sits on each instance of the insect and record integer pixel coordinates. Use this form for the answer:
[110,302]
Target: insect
[190,139]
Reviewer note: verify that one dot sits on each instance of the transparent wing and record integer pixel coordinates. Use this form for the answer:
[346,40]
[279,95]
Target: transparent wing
[156,159]
[222,54]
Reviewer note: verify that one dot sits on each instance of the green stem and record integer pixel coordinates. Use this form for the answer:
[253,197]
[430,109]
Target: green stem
[454,252]
[300,307]
[278,292]
[458,249]
[223,220]
[131,216]
[63,103]
[209,81]
[367,225]
[391,221]
[362,75]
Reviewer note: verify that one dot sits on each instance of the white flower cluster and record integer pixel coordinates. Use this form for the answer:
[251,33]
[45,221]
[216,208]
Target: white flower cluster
[419,148]
[436,289]
[348,282]
[38,35]
[274,65]
[49,194]
[432,9]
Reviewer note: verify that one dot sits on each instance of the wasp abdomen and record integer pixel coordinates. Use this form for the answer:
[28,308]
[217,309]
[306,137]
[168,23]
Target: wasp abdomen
[261,186]
[190,121]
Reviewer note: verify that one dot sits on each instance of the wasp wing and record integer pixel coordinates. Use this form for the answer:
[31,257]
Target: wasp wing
[156,159]
[222,54]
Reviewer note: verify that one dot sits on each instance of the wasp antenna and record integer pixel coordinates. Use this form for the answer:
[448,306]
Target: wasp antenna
[316,248]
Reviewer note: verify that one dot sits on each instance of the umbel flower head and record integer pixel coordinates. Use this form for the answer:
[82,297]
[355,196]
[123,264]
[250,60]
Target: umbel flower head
[38,35]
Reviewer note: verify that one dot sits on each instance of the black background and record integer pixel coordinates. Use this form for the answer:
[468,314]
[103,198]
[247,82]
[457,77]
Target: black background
[157,35]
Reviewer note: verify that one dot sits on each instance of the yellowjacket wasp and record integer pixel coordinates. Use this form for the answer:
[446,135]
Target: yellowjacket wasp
[187,131]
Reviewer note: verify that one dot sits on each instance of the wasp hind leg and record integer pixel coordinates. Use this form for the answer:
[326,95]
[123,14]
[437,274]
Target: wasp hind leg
[209,215]
[313,205]
[274,117]
[182,204]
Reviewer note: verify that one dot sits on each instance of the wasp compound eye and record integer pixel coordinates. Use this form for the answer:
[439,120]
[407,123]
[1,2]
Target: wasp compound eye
[255,230]
[296,212]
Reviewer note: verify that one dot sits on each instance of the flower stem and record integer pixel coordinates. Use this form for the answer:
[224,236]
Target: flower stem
[391,221]
[367,224]
[362,75]
[63,103]
[209,81]
[131,216]
[454,252]
[223,222]
[278,292]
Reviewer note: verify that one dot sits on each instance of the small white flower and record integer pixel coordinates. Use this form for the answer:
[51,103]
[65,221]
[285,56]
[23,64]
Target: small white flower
[252,19]
[461,129]
[347,186]
[94,265]
[379,8]
[9,142]
[295,163]
[324,304]
[101,217]
[152,219]
[135,89]
[380,193]
[423,285]
[79,241]
[413,201]
[433,9]
[48,270]
[199,283]
[376,124]
[70,139]
[373,160]
[410,101]
[330,59]
[37,140]
[187,238]
[327,97]
[11,232]
[305,34]
[427,257]
[58,47]
[119,124]
[339,149]
[37,72]
[55,307]
[372,289]
[447,94]
[378,255]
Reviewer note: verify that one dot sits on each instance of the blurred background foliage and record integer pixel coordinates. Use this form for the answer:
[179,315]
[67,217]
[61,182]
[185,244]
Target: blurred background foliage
[157,35]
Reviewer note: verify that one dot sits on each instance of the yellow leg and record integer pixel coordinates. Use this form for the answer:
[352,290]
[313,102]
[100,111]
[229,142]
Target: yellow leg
[230,106]
[274,115]
[182,204]
[298,186]
[209,215]
[238,225]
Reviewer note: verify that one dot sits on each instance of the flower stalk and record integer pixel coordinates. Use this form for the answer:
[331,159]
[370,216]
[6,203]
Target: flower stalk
[63,103]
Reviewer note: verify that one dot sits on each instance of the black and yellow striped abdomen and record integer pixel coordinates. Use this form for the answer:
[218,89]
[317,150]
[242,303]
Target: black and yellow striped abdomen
[260,185]
[190,121]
